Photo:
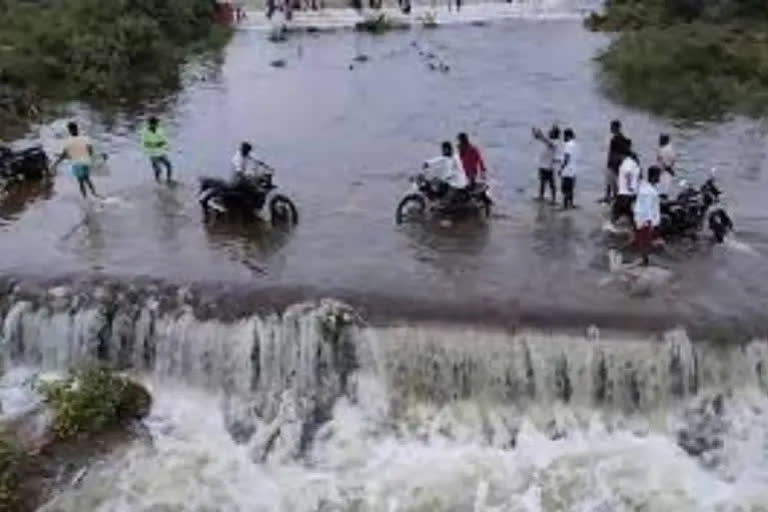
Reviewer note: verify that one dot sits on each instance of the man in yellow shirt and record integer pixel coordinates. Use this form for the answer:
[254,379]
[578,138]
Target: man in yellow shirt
[155,144]
[79,151]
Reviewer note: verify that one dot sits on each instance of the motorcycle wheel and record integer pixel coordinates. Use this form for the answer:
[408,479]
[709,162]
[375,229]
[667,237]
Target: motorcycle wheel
[283,211]
[486,206]
[409,204]
[720,224]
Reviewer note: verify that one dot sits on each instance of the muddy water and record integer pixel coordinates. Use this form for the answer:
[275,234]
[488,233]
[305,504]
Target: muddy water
[344,142]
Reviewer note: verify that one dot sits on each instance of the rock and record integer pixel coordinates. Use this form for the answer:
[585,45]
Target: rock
[136,402]
[704,429]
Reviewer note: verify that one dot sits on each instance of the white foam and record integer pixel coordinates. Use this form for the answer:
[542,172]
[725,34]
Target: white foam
[335,17]
[358,465]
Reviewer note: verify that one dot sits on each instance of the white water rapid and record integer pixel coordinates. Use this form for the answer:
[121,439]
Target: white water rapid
[311,410]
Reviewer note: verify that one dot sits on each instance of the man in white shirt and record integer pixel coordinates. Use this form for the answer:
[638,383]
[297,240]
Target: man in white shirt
[647,213]
[665,158]
[569,168]
[629,177]
[243,164]
[549,160]
[447,169]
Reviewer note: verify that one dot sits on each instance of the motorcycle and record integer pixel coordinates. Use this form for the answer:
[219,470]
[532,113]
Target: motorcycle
[25,165]
[245,199]
[430,195]
[687,213]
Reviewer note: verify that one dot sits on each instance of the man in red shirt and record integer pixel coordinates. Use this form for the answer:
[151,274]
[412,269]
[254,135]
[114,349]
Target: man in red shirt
[471,160]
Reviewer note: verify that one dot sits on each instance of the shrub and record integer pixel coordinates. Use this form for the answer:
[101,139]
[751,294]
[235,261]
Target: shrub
[13,465]
[80,49]
[686,58]
[691,70]
[632,14]
[92,400]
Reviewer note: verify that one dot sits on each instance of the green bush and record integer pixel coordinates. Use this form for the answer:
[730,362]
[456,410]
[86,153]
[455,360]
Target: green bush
[633,14]
[13,465]
[689,70]
[92,400]
[83,50]
[686,58]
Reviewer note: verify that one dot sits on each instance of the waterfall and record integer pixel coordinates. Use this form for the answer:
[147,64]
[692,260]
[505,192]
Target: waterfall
[317,351]
[314,383]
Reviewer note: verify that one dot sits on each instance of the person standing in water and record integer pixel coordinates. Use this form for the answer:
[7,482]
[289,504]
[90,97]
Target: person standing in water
[155,144]
[569,168]
[629,178]
[548,161]
[647,213]
[665,159]
[471,160]
[615,157]
[79,150]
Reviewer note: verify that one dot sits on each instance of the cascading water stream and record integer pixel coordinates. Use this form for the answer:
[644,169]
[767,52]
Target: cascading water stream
[310,409]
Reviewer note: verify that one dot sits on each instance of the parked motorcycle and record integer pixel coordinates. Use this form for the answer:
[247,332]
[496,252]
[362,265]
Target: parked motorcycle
[432,196]
[245,198]
[686,215]
[25,165]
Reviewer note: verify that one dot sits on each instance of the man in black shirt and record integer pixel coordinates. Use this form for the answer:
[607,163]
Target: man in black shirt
[616,151]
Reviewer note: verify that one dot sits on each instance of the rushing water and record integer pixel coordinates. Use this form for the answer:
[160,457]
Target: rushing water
[267,403]
[344,142]
[313,410]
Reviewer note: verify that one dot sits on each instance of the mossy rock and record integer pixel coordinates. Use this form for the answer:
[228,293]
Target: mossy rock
[135,402]
[92,401]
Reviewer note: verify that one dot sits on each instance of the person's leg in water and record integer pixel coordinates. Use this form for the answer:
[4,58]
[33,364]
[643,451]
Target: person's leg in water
[643,243]
[168,168]
[83,190]
[89,183]
[83,176]
[565,188]
[571,192]
[542,183]
[552,187]
[157,167]
[458,5]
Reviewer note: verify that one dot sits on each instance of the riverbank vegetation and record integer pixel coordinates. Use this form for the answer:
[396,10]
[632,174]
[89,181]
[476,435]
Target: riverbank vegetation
[93,400]
[96,50]
[686,58]
[90,413]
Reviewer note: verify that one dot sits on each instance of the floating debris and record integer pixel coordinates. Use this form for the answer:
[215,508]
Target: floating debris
[277,63]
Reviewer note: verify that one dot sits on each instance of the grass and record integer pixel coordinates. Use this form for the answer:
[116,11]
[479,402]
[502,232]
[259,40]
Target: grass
[59,50]
[14,464]
[691,59]
[93,400]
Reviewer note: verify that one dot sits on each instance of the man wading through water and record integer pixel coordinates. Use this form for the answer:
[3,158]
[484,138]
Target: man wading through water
[616,148]
[79,150]
[569,168]
[647,213]
[471,160]
[156,146]
[548,161]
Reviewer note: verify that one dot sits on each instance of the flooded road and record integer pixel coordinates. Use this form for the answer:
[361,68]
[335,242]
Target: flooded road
[345,136]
